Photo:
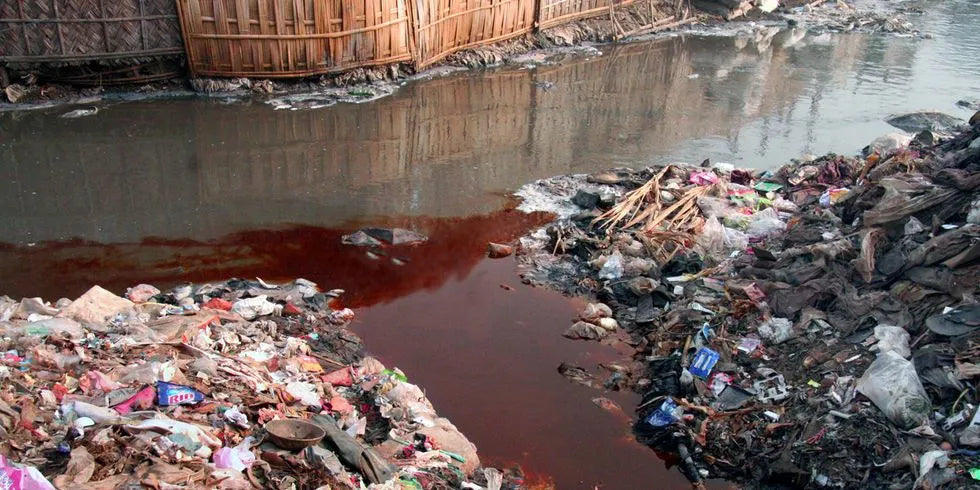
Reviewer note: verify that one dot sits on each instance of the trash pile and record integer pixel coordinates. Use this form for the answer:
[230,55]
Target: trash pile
[815,325]
[236,385]
[839,16]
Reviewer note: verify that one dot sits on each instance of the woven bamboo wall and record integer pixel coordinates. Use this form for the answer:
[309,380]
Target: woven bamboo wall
[443,27]
[277,38]
[555,12]
[84,30]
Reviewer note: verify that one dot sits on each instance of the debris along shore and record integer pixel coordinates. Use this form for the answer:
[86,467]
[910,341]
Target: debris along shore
[814,325]
[235,385]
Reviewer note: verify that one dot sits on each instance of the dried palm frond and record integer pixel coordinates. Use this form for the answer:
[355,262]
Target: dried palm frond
[660,224]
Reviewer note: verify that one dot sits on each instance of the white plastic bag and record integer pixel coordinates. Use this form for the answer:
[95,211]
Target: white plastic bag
[765,223]
[237,458]
[894,339]
[892,384]
[717,240]
[612,269]
[776,330]
[250,308]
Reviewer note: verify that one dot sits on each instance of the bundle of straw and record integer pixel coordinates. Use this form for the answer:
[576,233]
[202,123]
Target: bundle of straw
[659,224]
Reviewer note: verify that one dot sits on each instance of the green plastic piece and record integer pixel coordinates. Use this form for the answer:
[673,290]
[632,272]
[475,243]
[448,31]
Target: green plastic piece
[453,455]
[399,377]
[975,473]
[767,187]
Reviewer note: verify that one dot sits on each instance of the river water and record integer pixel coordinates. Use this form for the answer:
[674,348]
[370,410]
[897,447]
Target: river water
[197,189]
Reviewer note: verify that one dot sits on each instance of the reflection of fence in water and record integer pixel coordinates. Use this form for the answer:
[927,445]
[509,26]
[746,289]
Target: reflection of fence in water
[470,117]
[443,122]
[484,128]
[633,101]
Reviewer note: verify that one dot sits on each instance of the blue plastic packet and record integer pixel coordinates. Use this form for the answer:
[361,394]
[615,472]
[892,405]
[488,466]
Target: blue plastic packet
[664,415]
[172,394]
[704,360]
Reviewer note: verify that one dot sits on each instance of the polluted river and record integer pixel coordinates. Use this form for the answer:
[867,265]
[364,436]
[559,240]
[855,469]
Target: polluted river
[197,189]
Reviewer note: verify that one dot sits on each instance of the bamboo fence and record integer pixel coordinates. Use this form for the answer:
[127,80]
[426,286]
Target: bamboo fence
[443,27]
[72,31]
[288,38]
[277,38]
[555,12]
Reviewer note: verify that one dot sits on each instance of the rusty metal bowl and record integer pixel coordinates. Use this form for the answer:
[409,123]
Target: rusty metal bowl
[294,434]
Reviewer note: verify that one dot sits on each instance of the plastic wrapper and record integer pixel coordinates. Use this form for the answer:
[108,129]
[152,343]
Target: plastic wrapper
[254,307]
[238,458]
[776,330]
[18,477]
[717,240]
[667,413]
[765,223]
[612,269]
[894,339]
[892,384]
[173,394]
[142,400]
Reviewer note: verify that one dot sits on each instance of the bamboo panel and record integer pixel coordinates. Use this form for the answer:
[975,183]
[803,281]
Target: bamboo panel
[35,31]
[289,38]
[555,12]
[443,27]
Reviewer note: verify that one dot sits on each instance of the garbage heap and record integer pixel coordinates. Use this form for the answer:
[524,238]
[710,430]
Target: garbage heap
[242,384]
[815,325]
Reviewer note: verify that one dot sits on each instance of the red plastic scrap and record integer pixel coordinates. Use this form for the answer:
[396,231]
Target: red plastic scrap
[59,391]
[218,304]
[816,437]
[340,405]
[340,377]
[291,310]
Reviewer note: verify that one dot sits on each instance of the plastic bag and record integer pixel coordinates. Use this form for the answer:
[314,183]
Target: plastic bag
[304,392]
[703,178]
[892,384]
[973,215]
[776,330]
[712,237]
[253,307]
[612,269]
[238,458]
[716,240]
[894,339]
[149,373]
[914,226]
[765,223]
[21,477]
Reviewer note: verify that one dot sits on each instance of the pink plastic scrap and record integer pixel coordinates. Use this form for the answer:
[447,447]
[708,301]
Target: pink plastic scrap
[142,400]
[21,477]
[703,178]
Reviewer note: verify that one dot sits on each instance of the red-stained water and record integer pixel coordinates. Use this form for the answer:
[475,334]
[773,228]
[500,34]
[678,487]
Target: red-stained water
[486,355]
[456,245]
[487,358]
